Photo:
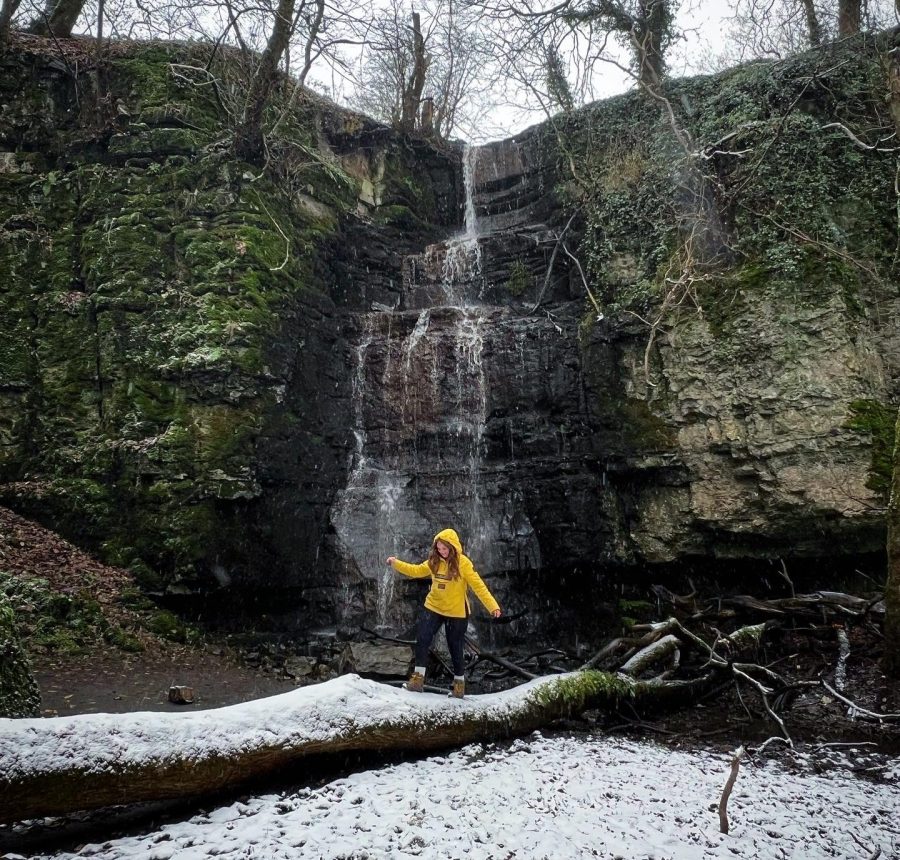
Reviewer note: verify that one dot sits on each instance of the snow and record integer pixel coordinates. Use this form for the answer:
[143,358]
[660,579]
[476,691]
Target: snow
[544,797]
[541,796]
[303,717]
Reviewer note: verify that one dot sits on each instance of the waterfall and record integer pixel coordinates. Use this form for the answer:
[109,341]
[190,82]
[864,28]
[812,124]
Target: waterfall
[420,400]
[367,479]
[462,254]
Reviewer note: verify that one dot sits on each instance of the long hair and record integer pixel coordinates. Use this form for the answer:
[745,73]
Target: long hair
[434,560]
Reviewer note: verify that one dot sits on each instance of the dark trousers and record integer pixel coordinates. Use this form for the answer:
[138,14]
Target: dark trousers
[455,628]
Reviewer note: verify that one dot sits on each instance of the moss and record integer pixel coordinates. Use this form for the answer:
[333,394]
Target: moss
[636,611]
[151,92]
[580,690]
[641,429]
[124,641]
[156,142]
[877,420]
[61,623]
[518,280]
[747,638]
[135,315]
[169,626]
[397,215]
[19,695]
[789,224]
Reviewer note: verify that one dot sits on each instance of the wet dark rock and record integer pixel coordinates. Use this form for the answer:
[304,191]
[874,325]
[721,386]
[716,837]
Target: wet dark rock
[259,439]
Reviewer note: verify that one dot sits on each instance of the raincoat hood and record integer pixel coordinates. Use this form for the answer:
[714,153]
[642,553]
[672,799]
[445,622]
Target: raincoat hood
[451,537]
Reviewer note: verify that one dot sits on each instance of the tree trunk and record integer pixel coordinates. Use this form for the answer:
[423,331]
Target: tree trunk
[58,19]
[7,10]
[412,90]
[892,588]
[813,27]
[312,36]
[647,46]
[848,17]
[61,765]
[249,143]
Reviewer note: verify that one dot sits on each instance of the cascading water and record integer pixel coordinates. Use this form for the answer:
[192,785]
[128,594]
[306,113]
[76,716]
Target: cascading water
[420,404]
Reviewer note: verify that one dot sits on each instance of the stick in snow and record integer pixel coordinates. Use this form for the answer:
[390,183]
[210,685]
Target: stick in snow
[726,792]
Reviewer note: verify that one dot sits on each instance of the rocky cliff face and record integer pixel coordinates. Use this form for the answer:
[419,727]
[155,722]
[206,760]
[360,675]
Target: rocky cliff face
[598,354]
[173,380]
[754,422]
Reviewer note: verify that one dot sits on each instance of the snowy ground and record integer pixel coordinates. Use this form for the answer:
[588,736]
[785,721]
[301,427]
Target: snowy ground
[553,797]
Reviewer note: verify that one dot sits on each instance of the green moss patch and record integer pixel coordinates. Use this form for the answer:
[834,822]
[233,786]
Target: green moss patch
[878,421]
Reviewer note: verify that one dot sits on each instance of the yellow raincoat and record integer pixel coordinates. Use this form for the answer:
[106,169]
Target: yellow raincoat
[450,596]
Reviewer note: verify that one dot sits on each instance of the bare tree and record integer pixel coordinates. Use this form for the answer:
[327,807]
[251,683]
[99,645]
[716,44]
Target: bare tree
[249,141]
[58,18]
[423,71]
[778,28]
[387,67]
[812,22]
[644,27]
[411,94]
[7,10]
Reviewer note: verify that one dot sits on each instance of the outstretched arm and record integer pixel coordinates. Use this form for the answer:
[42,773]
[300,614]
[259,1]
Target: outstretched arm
[416,571]
[476,583]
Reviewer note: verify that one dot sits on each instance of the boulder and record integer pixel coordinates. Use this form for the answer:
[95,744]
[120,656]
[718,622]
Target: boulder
[382,659]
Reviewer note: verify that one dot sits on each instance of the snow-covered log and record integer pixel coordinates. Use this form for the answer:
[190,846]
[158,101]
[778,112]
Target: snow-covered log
[61,765]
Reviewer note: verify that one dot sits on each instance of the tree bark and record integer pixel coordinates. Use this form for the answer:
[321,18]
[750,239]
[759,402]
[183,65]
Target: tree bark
[58,19]
[891,660]
[813,27]
[62,765]
[249,141]
[848,17]
[7,10]
[648,34]
[412,91]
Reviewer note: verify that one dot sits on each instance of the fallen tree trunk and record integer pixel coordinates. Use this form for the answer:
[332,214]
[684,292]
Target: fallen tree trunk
[62,765]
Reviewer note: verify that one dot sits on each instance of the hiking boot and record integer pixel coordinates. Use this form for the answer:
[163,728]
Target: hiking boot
[416,682]
[459,688]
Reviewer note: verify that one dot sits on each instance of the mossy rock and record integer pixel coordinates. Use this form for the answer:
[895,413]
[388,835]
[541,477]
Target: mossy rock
[642,430]
[19,694]
[519,279]
[169,626]
[878,421]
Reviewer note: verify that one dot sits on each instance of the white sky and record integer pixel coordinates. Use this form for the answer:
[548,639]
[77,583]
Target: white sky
[703,23]
[705,27]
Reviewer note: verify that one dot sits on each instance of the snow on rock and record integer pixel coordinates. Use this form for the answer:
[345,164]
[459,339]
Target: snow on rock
[560,797]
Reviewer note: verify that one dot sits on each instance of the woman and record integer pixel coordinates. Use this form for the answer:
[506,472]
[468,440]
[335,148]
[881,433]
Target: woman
[447,604]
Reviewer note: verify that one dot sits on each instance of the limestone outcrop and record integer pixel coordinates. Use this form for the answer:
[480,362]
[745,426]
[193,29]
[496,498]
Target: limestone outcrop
[261,384]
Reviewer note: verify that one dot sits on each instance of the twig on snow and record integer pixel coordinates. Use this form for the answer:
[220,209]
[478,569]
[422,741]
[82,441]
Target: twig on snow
[874,855]
[726,792]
